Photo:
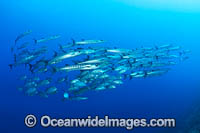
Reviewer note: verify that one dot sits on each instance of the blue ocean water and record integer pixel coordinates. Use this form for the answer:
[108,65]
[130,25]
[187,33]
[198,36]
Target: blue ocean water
[123,25]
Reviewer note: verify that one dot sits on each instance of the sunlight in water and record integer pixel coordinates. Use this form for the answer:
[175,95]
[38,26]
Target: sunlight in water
[177,5]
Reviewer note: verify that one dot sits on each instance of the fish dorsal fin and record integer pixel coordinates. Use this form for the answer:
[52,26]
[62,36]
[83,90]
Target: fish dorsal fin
[55,54]
[60,46]
[35,40]
[88,57]
[12,49]
[73,41]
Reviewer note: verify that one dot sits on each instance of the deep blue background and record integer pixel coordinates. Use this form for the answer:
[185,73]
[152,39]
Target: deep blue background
[121,25]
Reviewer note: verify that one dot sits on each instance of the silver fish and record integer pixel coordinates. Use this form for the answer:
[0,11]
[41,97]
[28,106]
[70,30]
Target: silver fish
[47,39]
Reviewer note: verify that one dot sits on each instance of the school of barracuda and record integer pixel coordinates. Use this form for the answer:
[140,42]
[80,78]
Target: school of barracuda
[77,69]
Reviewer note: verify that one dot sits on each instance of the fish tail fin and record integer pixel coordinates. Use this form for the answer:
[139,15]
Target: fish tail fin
[30,67]
[11,66]
[129,63]
[12,49]
[145,74]
[35,41]
[126,76]
[61,48]
[46,62]
[184,58]
[54,69]
[112,67]
[31,71]
[88,57]
[15,58]
[181,53]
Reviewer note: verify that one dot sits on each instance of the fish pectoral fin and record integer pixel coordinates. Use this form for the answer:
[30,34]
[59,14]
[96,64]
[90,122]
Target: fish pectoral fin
[73,41]
[35,41]
[55,54]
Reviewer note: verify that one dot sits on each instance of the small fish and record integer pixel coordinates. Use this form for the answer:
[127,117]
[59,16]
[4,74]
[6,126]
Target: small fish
[23,77]
[118,82]
[38,65]
[51,90]
[84,42]
[44,82]
[147,48]
[30,84]
[43,94]
[184,58]
[174,48]
[42,70]
[79,98]
[62,79]
[100,88]
[93,61]
[104,76]
[121,68]
[111,86]
[118,50]
[73,88]
[24,45]
[31,91]
[157,72]
[59,58]
[136,73]
[24,61]
[47,39]
[139,76]
[80,84]
[22,35]
[62,47]
[75,67]
[40,51]
[89,51]
[164,46]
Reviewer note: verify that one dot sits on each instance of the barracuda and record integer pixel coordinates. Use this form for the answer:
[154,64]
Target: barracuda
[78,67]
[22,35]
[60,58]
[47,39]
[84,42]
[87,68]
